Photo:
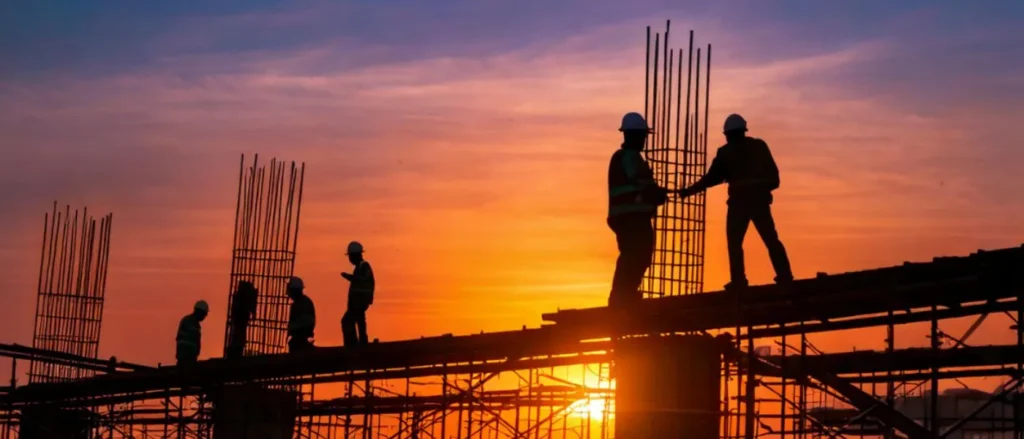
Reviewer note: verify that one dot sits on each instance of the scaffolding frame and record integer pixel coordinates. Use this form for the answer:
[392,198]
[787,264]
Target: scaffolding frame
[491,385]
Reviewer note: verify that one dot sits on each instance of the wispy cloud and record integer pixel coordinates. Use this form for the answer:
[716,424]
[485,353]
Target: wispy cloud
[472,162]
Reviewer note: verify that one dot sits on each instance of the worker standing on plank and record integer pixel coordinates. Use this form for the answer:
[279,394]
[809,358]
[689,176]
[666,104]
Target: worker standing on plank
[633,200]
[190,334]
[360,296]
[301,319]
[747,165]
[243,307]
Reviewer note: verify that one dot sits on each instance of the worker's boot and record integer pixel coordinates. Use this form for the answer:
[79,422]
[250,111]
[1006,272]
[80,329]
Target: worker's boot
[736,285]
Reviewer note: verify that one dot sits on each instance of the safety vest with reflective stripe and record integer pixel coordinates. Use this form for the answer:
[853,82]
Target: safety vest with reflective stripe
[628,177]
[362,284]
[189,333]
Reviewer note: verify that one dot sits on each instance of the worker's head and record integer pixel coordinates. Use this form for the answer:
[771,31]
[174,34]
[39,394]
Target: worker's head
[245,298]
[735,128]
[354,252]
[634,131]
[200,310]
[295,287]
[246,287]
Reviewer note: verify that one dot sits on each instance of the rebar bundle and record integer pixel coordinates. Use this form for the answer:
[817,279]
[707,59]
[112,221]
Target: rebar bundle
[265,238]
[72,281]
[677,152]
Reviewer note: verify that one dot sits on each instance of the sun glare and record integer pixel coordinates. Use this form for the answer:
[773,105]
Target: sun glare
[595,408]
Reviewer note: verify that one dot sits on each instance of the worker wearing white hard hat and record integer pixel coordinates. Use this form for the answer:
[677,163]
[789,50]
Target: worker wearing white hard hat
[189,338]
[360,297]
[633,200]
[301,317]
[746,163]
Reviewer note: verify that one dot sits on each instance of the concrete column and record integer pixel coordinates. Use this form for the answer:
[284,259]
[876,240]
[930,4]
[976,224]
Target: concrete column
[668,387]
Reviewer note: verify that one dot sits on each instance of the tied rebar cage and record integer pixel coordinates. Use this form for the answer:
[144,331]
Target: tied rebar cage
[71,285]
[677,153]
[265,238]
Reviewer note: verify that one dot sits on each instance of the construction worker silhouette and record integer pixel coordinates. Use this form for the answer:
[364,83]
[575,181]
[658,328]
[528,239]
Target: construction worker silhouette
[190,335]
[301,317]
[243,307]
[747,165]
[633,200]
[360,297]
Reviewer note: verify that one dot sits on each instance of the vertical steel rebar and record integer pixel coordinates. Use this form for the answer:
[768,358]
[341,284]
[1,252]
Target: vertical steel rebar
[265,240]
[677,261]
[69,304]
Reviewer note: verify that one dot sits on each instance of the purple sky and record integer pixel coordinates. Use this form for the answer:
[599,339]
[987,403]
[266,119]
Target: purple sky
[894,124]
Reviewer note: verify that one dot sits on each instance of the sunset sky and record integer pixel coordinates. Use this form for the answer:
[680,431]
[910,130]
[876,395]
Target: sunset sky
[465,144]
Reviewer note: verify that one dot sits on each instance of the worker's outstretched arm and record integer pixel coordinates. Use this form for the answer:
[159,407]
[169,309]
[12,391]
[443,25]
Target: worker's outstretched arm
[714,177]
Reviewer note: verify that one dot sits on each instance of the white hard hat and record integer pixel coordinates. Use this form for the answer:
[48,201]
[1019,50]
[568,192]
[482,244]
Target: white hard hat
[354,247]
[295,283]
[734,122]
[202,306]
[634,122]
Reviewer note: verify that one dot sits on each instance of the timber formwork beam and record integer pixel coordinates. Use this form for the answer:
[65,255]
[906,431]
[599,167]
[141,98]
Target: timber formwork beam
[948,282]
[525,349]
[19,352]
[866,362]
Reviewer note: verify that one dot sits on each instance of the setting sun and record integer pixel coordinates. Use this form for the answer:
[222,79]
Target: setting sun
[594,408]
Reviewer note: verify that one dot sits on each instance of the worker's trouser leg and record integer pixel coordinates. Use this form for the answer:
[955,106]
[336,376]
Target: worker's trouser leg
[737,220]
[238,337]
[635,237]
[353,324]
[186,354]
[299,344]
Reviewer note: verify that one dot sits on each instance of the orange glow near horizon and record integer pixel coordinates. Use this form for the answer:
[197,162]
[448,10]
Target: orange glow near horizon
[476,183]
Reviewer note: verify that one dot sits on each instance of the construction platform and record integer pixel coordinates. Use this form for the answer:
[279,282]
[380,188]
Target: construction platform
[946,287]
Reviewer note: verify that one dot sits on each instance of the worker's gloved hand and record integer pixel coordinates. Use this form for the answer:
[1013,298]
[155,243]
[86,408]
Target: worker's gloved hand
[347,276]
[685,192]
[661,196]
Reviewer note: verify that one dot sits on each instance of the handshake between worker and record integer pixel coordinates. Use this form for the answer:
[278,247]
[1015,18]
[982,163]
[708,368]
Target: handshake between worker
[660,195]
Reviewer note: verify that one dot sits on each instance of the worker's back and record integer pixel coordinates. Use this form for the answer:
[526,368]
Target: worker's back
[189,333]
[750,170]
[243,304]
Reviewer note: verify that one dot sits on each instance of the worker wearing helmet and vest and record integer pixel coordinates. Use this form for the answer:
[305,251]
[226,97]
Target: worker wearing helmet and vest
[633,200]
[360,297]
[190,334]
[301,317]
[747,165]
